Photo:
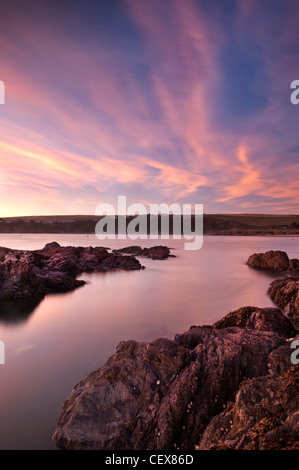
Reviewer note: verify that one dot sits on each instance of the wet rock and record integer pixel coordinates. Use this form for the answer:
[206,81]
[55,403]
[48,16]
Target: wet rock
[163,395]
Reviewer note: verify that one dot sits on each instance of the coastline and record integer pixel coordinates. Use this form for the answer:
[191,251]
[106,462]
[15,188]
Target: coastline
[213,224]
[232,338]
[214,387]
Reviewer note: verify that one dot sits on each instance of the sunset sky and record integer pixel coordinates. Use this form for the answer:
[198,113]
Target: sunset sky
[162,101]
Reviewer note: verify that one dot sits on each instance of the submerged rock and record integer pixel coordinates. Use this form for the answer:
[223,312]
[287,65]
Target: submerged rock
[32,274]
[163,395]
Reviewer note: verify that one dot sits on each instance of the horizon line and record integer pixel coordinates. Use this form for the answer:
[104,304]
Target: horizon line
[260,214]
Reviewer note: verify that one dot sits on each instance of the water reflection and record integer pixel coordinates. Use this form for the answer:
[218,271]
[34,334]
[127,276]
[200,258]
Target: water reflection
[17,311]
[51,345]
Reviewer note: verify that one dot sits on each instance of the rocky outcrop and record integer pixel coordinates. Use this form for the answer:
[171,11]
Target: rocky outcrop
[258,319]
[264,416]
[32,274]
[285,293]
[154,252]
[165,394]
[274,261]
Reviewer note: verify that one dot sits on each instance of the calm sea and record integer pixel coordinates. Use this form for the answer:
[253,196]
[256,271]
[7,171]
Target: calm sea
[51,346]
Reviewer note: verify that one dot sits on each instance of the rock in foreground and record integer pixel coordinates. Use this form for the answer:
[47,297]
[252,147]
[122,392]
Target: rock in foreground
[163,395]
[32,274]
[263,417]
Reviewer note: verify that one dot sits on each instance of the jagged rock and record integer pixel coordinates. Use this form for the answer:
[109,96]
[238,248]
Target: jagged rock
[265,416]
[32,274]
[162,395]
[154,252]
[259,319]
[18,278]
[285,293]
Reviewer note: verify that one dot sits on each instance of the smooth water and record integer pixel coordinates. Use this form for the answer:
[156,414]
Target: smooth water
[49,347]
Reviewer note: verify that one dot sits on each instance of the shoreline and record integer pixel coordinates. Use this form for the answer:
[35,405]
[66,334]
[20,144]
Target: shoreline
[211,369]
[213,387]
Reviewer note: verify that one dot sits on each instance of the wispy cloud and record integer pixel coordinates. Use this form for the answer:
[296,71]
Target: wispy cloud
[164,100]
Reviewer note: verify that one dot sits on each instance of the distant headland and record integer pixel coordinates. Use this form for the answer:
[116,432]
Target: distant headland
[213,224]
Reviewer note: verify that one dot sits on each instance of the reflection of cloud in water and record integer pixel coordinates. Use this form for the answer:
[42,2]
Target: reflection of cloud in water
[17,311]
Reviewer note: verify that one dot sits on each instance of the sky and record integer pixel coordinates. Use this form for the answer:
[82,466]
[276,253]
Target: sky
[160,101]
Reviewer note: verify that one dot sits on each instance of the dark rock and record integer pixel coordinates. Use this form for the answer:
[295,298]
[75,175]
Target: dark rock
[294,265]
[163,395]
[132,250]
[52,245]
[32,274]
[3,252]
[285,293]
[275,261]
[155,252]
[18,279]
